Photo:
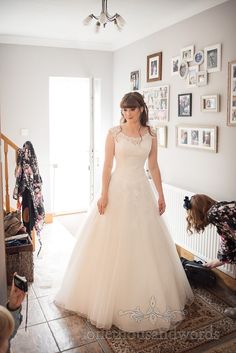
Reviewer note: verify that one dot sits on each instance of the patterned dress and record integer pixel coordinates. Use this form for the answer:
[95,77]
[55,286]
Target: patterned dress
[223,216]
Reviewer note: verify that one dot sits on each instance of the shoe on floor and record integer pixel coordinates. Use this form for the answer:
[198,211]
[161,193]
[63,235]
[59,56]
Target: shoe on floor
[230,312]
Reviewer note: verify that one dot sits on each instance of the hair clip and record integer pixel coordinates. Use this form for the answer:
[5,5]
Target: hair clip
[187,203]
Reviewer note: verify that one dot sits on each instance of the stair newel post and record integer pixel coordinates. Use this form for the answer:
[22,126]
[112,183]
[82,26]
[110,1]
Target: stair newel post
[6,176]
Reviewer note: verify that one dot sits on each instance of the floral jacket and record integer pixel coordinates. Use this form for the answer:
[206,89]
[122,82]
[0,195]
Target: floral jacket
[223,216]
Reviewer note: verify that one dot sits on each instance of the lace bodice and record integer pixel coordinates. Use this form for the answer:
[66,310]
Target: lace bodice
[116,131]
[131,152]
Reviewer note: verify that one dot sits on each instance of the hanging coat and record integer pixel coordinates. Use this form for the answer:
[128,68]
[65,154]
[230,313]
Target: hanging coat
[28,189]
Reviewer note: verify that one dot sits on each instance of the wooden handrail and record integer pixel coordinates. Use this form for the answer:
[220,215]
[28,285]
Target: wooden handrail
[7,143]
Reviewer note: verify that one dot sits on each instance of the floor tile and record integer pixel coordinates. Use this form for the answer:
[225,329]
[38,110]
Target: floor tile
[93,347]
[35,314]
[44,287]
[71,332]
[105,347]
[37,339]
[51,310]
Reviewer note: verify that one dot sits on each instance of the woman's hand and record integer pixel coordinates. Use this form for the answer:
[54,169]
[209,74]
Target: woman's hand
[213,264]
[161,205]
[16,297]
[102,204]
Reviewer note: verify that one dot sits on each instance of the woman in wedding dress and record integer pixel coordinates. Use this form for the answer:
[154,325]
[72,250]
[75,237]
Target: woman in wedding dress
[124,269]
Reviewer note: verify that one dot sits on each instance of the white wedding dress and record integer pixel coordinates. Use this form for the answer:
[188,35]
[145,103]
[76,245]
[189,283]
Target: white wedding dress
[124,269]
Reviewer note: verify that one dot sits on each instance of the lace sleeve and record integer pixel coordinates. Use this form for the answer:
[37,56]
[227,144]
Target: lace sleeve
[114,131]
[153,132]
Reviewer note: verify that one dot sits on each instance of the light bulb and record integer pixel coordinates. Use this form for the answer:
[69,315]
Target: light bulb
[117,26]
[98,25]
[120,20]
[87,20]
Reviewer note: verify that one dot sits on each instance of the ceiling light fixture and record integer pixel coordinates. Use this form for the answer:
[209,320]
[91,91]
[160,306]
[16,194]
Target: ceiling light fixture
[104,18]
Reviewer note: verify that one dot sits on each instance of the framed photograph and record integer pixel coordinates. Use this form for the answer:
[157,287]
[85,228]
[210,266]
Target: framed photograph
[231,109]
[202,78]
[210,103]
[157,100]
[154,67]
[187,53]
[198,57]
[185,104]
[213,58]
[135,80]
[198,137]
[175,65]
[192,75]
[183,69]
[161,132]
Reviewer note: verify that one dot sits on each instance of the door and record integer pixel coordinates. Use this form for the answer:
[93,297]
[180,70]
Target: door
[71,143]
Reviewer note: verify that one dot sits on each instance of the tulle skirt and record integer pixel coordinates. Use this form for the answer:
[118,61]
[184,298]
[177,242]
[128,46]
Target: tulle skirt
[124,269]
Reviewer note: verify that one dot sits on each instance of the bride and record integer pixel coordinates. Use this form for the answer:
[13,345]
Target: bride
[124,269]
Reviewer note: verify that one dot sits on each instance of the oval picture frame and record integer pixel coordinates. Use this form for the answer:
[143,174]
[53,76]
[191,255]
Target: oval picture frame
[183,69]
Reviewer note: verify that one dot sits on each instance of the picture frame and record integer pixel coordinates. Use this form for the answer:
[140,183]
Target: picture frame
[175,61]
[197,137]
[157,100]
[202,78]
[154,67]
[135,80]
[198,57]
[187,53]
[161,131]
[210,103]
[192,76]
[231,96]
[185,105]
[212,58]
[183,69]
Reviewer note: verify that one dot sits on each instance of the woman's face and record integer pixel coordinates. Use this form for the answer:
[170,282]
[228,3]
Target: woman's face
[131,114]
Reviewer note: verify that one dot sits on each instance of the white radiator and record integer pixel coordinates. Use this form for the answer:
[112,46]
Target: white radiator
[204,245]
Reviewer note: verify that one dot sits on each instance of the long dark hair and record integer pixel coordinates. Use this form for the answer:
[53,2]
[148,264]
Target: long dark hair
[135,100]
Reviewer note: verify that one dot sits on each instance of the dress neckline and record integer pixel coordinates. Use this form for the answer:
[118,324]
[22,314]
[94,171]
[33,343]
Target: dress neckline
[134,137]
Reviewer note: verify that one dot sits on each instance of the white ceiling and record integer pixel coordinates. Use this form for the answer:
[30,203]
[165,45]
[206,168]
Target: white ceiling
[59,22]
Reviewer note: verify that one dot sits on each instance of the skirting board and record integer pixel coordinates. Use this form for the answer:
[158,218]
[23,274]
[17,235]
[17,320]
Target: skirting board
[48,218]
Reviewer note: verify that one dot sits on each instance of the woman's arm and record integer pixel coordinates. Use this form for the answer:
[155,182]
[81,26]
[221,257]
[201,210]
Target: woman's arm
[106,174]
[156,175]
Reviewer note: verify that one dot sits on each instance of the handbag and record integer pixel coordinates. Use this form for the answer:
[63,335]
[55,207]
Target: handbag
[198,274]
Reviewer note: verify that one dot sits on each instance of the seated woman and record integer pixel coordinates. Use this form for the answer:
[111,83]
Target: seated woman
[202,211]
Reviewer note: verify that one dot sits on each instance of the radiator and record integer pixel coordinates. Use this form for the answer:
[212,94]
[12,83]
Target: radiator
[204,246]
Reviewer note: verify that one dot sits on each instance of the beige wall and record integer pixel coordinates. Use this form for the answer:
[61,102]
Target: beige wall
[24,93]
[197,171]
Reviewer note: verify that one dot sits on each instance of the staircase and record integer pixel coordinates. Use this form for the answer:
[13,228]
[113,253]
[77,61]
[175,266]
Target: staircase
[7,144]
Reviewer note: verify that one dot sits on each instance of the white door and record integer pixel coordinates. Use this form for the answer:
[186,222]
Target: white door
[71,143]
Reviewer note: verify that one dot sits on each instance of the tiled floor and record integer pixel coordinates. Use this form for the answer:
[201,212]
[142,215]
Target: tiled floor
[52,329]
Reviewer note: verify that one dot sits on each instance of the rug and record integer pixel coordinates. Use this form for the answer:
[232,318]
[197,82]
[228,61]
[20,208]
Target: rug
[205,327]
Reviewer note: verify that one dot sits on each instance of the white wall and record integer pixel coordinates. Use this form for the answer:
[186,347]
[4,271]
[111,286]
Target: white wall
[198,171]
[24,93]
[3,287]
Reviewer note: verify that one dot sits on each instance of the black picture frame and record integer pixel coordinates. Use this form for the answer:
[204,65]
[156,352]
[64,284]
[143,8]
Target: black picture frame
[185,105]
